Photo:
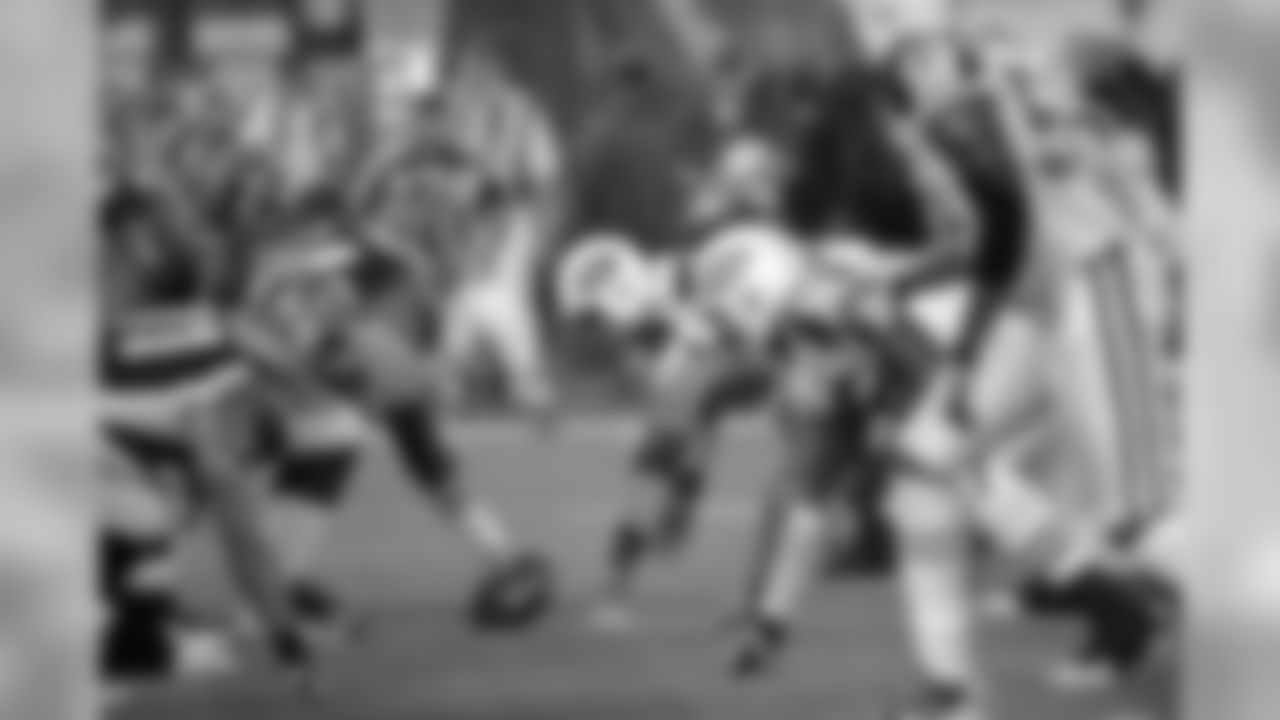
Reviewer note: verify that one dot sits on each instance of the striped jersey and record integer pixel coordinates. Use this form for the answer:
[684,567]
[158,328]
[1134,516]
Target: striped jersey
[162,326]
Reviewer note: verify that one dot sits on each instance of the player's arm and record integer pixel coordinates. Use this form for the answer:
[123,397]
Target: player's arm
[998,85]
[953,223]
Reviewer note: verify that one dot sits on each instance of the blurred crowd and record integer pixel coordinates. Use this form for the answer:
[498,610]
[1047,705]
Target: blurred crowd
[419,145]
[410,147]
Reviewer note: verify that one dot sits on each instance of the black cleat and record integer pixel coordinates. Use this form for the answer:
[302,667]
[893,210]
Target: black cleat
[939,703]
[1122,624]
[762,650]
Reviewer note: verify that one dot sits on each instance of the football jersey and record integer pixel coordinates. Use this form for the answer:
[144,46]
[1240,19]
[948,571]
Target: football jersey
[310,299]
[971,138]
[297,302]
[162,326]
[850,175]
[164,346]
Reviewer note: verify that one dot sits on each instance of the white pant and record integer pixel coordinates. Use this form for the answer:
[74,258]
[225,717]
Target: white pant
[1111,394]
[494,317]
[1006,384]
[1087,371]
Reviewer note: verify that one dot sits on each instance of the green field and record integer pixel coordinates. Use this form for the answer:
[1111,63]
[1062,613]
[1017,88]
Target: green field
[407,576]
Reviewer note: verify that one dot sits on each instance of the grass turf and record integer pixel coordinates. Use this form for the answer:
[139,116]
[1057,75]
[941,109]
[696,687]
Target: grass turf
[408,577]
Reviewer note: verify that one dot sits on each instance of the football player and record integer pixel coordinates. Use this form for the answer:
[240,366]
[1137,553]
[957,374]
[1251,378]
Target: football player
[1100,241]
[343,335]
[993,388]
[176,396]
[943,219]
[510,147]
[707,364]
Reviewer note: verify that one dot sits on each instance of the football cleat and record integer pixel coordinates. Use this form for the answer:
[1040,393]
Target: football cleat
[765,643]
[939,703]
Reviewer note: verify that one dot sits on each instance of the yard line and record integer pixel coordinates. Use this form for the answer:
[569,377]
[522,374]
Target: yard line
[611,429]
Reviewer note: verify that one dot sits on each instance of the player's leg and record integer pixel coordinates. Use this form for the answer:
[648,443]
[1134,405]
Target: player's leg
[690,397]
[517,584]
[1029,509]
[142,636]
[868,547]
[223,465]
[463,340]
[508,331]
[1139,379]
[150,488]
[1001,395]
[313,465]
[403,398]
[414,429]
[515,326]
[809,397]
[1108,398]
[151,500]
[1021,515]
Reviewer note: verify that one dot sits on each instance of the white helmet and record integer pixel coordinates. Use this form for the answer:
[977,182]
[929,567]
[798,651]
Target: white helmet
[607,278]
[748,276]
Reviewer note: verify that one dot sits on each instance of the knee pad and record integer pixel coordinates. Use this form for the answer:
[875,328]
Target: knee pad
[319,476]
[1014,514]
[931,438]
[925,512]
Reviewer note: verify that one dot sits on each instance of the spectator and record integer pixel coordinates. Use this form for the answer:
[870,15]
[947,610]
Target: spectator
[634,165]
[505,139]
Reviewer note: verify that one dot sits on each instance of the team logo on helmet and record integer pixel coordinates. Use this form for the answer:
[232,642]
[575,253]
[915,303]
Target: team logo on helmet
[608,279]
